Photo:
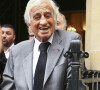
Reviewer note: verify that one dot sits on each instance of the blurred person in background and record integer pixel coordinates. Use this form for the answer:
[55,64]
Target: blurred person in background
[61,22]
[2,57]
[8,38]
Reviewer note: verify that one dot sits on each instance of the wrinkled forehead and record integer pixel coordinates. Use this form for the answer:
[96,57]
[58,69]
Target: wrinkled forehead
[42,7]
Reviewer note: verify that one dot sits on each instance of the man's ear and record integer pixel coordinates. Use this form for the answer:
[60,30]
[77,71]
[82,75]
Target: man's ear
[29,26]
[14,37]
[65,28]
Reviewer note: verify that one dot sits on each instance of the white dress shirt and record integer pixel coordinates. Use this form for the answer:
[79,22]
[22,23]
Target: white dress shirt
[36,53]
[8,50]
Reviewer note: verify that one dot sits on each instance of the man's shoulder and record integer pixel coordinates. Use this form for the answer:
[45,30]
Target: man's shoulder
[23,44]
[67,34]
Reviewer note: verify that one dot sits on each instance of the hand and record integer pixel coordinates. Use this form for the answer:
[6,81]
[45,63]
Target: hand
[1,46]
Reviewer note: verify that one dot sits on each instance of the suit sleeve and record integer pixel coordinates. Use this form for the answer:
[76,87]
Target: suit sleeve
[8,75]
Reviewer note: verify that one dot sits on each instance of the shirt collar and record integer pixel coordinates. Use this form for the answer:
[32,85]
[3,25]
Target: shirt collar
[10,48]
[49,40]
[37,42]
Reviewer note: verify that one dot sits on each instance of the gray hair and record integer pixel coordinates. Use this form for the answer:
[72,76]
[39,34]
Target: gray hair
[33,3]
[64,20]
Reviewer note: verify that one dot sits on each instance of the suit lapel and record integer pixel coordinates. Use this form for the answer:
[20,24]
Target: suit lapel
[28,65]
[53,56]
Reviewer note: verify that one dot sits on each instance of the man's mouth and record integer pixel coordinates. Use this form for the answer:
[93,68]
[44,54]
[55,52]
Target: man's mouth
[4,40]
[44,28]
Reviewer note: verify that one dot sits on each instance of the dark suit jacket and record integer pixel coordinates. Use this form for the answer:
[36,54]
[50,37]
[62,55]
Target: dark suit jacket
[18,71]
[2,63]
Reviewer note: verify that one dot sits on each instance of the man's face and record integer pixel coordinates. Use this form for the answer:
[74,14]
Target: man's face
[60,24]
[42,21]
[8,36]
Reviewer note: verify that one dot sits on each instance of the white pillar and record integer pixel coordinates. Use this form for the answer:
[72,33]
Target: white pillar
[92,38]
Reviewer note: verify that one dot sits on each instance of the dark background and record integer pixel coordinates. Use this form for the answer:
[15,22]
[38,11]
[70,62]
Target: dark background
[12,12]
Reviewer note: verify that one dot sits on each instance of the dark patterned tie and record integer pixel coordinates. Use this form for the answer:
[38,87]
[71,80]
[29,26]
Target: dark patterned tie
[40,68]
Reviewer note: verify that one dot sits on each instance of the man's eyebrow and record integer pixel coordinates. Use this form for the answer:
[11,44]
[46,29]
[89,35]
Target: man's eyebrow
[35,14]
[6,31]
[48,11]
[38,12]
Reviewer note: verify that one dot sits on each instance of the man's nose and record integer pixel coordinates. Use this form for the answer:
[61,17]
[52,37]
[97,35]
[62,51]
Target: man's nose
[43,21]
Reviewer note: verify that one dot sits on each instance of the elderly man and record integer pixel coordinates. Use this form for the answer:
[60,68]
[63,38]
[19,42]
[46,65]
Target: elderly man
[61,22]
[39,63]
